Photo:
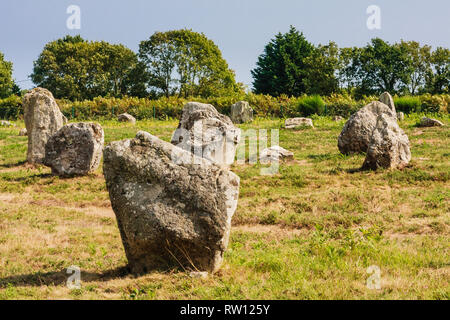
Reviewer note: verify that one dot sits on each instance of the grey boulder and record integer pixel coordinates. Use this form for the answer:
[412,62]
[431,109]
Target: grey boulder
[400,116]
[42,119]
[23,132]
[207,133]
[5,123]
[173,209]
[427,122]
[75,150]
[241,112]
[388,147]
[387,99]
[274,154]
[125,117]
[357,131]
[295,123]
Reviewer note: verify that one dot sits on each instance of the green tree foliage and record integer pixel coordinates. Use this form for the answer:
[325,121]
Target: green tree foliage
[320,70]
[439,80]
[186,63]
[419,64]
[281,68]
[6,82]
[76,69]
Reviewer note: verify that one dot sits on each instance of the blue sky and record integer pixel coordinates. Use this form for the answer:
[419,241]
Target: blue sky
[241,28]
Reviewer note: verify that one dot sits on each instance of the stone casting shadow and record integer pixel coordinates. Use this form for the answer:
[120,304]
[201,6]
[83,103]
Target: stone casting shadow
[60,277]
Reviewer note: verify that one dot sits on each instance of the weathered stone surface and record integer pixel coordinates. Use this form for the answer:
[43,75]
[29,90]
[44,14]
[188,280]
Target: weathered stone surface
[172,208]
[42,119]
[389,145]
[357,131]
[387,99]
[76,149]
[427,122]
[241,112]
[125,117]
[207,133]
[275,153]
[5,123]
[400,116]
[294,123]
[23,132]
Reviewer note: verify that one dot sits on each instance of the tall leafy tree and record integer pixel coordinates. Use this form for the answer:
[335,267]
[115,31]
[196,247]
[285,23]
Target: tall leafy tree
[320,70]
[419,63]
[438,78]
[76,69]
[281,69]
[6,81]
[186,63]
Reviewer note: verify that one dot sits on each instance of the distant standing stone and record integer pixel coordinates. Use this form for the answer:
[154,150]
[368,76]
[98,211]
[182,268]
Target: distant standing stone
[400,116]
[275,153]
[241,112]
[387,99]
[125,117]
[294,123]
[23,132]
[42,119]
[388,147]
[338,118]
[357,131]
[427,122]
[172,210]
[75,150]
[207,133]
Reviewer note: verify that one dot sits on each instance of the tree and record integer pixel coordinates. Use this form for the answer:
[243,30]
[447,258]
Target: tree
[439,81]
[379,67]
[76,69]
[6,81]
[320,70]
[281,68]
[186,63]
[419,62]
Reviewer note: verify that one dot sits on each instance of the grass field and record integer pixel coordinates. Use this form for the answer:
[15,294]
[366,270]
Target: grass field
[309,232]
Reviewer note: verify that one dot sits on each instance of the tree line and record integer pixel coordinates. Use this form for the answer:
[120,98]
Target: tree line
[185,63]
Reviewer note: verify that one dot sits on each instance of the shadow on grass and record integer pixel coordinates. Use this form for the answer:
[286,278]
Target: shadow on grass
[57,278]
[12,165]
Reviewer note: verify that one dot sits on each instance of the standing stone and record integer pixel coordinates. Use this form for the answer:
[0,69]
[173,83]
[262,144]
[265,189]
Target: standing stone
[338,118]
[389,146]
[173,209]
[125,117]
[241,112]
[427,122]
[23,132]
[295,123]
[207,133]
[42,119]
[387,99]
[275,153]
[75,150]
[400,116]
[357,131]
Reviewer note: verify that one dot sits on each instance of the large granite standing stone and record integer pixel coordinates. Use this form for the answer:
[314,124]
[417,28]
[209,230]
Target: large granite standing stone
[75,150]
[171,211]
[207,133]
[241,112]
[388,147]
[357,131]
[42,119]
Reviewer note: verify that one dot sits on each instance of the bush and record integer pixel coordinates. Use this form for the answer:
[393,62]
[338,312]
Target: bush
[341,105]
[434,104]
[11,107]
[408,104]
[310,105]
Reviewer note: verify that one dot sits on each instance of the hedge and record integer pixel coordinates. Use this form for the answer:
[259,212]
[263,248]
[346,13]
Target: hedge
[264,106]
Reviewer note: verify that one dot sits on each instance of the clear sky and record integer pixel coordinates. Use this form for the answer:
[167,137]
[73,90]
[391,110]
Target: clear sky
[241,28]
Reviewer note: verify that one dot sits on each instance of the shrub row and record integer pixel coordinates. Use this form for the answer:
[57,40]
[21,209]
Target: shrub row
[264,106]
